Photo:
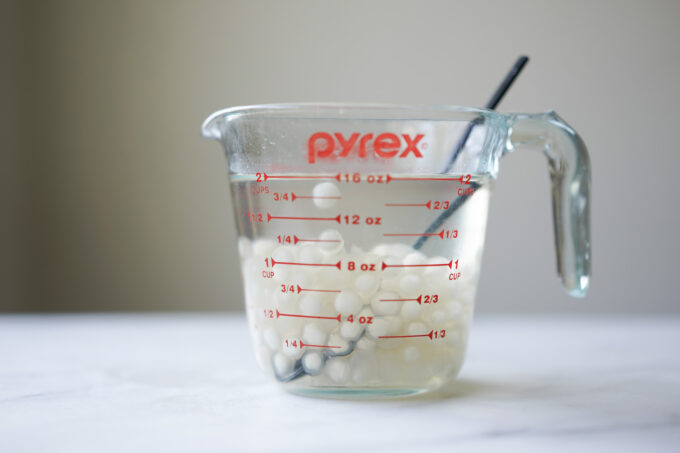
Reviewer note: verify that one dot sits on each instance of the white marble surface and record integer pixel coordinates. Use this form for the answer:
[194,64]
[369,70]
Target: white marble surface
[82,383]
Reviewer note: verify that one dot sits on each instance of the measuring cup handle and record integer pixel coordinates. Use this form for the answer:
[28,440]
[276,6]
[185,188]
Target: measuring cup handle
[570,180]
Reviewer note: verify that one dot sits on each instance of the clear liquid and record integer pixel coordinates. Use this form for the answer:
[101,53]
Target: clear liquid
[337,296]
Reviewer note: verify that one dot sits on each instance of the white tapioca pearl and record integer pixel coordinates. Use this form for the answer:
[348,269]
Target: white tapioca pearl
[312,362]
[415,258]
[417,328]
[411,354]
[363,367]
[286,302]
[381,250]
[291,350]
[453,337]
[438,316]
[311,304]
[390,271]
[313,334]
[410,285]
[333,241]
[378,328]
[411,310]
[348,302]
[311,254]
[325,195]
[245,247]
[390,367]
[366,284]
[350,331]
[394,324]
[337,369]
[284,253]
[390,284]
[336,340]
[455,309]
[282,365]
[399,250]
[263,247]
[381,307]
[365,344]
[271,338]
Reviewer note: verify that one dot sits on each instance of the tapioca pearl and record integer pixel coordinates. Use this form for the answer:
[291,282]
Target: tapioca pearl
[311,254]
[390,284]
[390,271]
[336,340]
[245,247]
[351,331]
[348,302]
[411,310]
[378,328]
[438,317]
[399,250]
[453,337]
[390,367]
[454,310]
[366,284]
[263,248]
[380,307]
[283,365]
[332,241]
[285,302]
[411,354]
[417,328]
[311,304]
[381,250]
[312,362]
[410,285]
[325,195]
[290,346]
[415,258]
[363,368]
[365,344]
[271,338]
[313,334]
[337,369]
[395,323]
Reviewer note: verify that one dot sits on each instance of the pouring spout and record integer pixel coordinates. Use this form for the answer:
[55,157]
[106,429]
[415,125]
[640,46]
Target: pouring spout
[213,125]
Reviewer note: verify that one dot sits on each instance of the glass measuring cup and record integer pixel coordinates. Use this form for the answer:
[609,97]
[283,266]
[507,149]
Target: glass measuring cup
[361,229]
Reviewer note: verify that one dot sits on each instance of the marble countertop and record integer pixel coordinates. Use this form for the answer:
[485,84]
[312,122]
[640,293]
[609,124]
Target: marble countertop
[188,382]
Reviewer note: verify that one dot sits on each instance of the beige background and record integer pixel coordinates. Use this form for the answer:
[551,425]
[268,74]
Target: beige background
[111,200]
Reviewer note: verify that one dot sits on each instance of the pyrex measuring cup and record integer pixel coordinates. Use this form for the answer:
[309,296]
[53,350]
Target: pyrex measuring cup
[361,229]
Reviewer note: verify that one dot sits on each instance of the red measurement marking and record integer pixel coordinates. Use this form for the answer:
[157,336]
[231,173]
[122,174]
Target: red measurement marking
[302,345]
[385,265]
[392,178]
[440,234]
[270,217]
[266,177]
[428,205]
[417,299]
[311,197]
[299,290]
[297,239]
[305,264]
[409,336]
[336,318]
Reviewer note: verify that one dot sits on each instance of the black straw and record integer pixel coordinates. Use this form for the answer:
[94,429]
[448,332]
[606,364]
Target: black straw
[491,105]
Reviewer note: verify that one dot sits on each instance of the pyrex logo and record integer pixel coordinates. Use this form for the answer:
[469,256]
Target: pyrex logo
[386,145]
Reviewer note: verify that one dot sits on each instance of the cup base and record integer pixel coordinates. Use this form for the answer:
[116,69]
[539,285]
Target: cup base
[355,393]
